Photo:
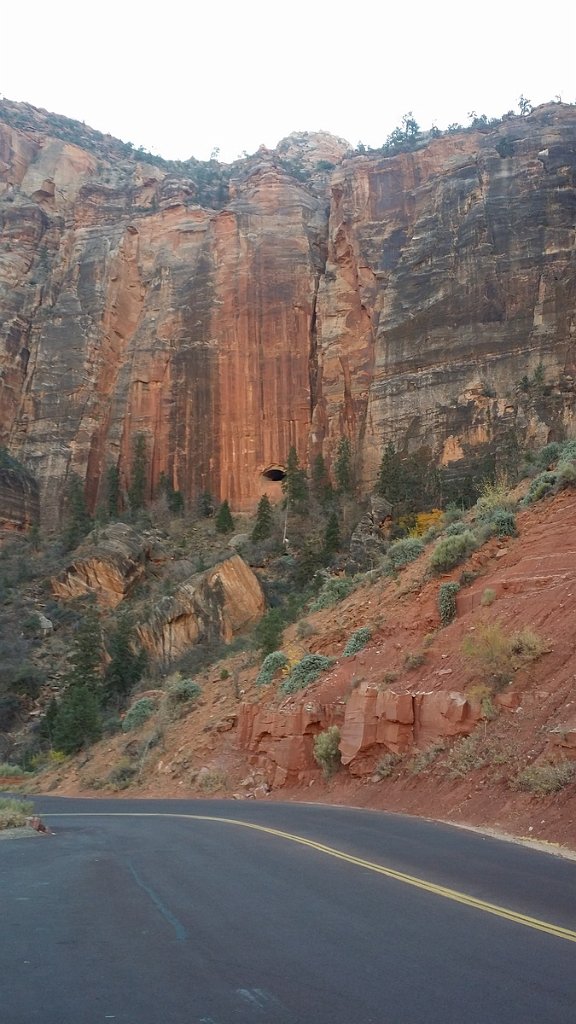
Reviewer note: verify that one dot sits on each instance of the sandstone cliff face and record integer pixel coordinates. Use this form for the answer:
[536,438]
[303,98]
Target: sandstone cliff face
[108,565]
[215,606]
[394,298]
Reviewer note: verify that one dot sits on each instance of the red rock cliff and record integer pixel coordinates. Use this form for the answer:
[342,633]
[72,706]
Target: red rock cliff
[230,315]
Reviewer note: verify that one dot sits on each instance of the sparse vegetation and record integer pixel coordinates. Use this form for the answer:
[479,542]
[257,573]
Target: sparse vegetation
[181,694]
[414,659]
[13,812]
[544,778]
[449,551]
[488,597]
[447,602]
[327,750]
[423,759]
[404,551]
[334,590]
[273,663]
[387,765]
[305,672]
[138,714]
[357,641]
[498,653]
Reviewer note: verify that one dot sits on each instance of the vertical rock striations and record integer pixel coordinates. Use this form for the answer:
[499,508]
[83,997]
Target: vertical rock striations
[294,297]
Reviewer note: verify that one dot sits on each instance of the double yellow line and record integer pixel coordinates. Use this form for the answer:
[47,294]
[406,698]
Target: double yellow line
[379,869]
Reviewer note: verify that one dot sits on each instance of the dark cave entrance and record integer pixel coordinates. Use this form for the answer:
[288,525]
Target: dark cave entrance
[276,473]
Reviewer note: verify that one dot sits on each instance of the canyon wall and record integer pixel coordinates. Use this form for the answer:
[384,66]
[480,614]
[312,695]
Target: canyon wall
[294,297]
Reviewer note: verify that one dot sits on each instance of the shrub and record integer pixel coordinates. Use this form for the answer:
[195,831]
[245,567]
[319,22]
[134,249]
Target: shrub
[466,756]
[8,771]
[488,597]
[414,660]
[424,758]
[385,767]
[122,774]
[305,672]
[404,551]
[542,485]
[544,778]
[272,664]
[357,641]
[139,713]
[447,602]
[333,591]
[183,692]
[565,474]
[451,550]
[211,781]
[13,813]
[499,654]
[502,523]
[455,529]
[493,495]
[326,750]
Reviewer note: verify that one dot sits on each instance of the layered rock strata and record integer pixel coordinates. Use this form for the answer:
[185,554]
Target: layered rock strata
[427,298]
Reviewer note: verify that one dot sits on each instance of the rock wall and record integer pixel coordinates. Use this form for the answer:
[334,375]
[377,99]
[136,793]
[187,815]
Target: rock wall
[274,302]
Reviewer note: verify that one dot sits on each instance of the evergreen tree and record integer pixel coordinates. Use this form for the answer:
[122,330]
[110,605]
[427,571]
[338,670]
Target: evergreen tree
[331,536]
[390,482]
[126,666]
[268,632]
[295,484]
[86,658]
[343,467]
[264,520]
[309,560]
[138,474]
[113,491]
[78,521]
[322,490]
[174,499]
[77,721]
[206,505]
[224,520]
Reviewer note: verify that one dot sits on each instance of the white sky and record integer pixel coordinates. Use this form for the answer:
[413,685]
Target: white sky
[181,78]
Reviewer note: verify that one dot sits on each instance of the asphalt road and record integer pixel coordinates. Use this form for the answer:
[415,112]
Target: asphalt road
[137,912]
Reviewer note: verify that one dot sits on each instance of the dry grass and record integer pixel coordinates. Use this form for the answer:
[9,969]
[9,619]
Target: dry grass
[498,654]
[13,813]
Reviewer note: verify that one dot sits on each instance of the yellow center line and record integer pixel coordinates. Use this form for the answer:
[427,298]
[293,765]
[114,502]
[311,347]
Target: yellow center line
[399,876]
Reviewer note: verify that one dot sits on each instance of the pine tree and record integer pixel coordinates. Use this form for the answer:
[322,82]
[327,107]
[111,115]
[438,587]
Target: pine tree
[206,505]
[174,499]
[126,666]
[264,520]
[86,658]
[343,467]
[138,474]
[224,520]
[78,520]
[322,490]
[295,484]
[331,536]
[77,721]
[113,491]
[390,483]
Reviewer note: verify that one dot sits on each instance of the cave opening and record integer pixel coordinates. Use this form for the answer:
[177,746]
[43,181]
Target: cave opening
[275,473]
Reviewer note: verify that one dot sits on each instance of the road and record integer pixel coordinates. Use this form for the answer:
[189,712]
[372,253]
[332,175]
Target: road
[182,912]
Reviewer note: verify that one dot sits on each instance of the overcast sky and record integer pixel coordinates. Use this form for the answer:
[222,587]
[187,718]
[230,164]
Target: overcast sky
[181,78]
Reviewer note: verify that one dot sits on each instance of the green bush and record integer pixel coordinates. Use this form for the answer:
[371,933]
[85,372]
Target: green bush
[502,523]
[13,813]
[447,602]
[272,664]
[541,486]
[333,591]
[305,672]
[404,551]
[326,750]
[451,550]
[139,713]
[8,771]
[357,641]
[455,529]
[387,765]
[544,778]
[183,692]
